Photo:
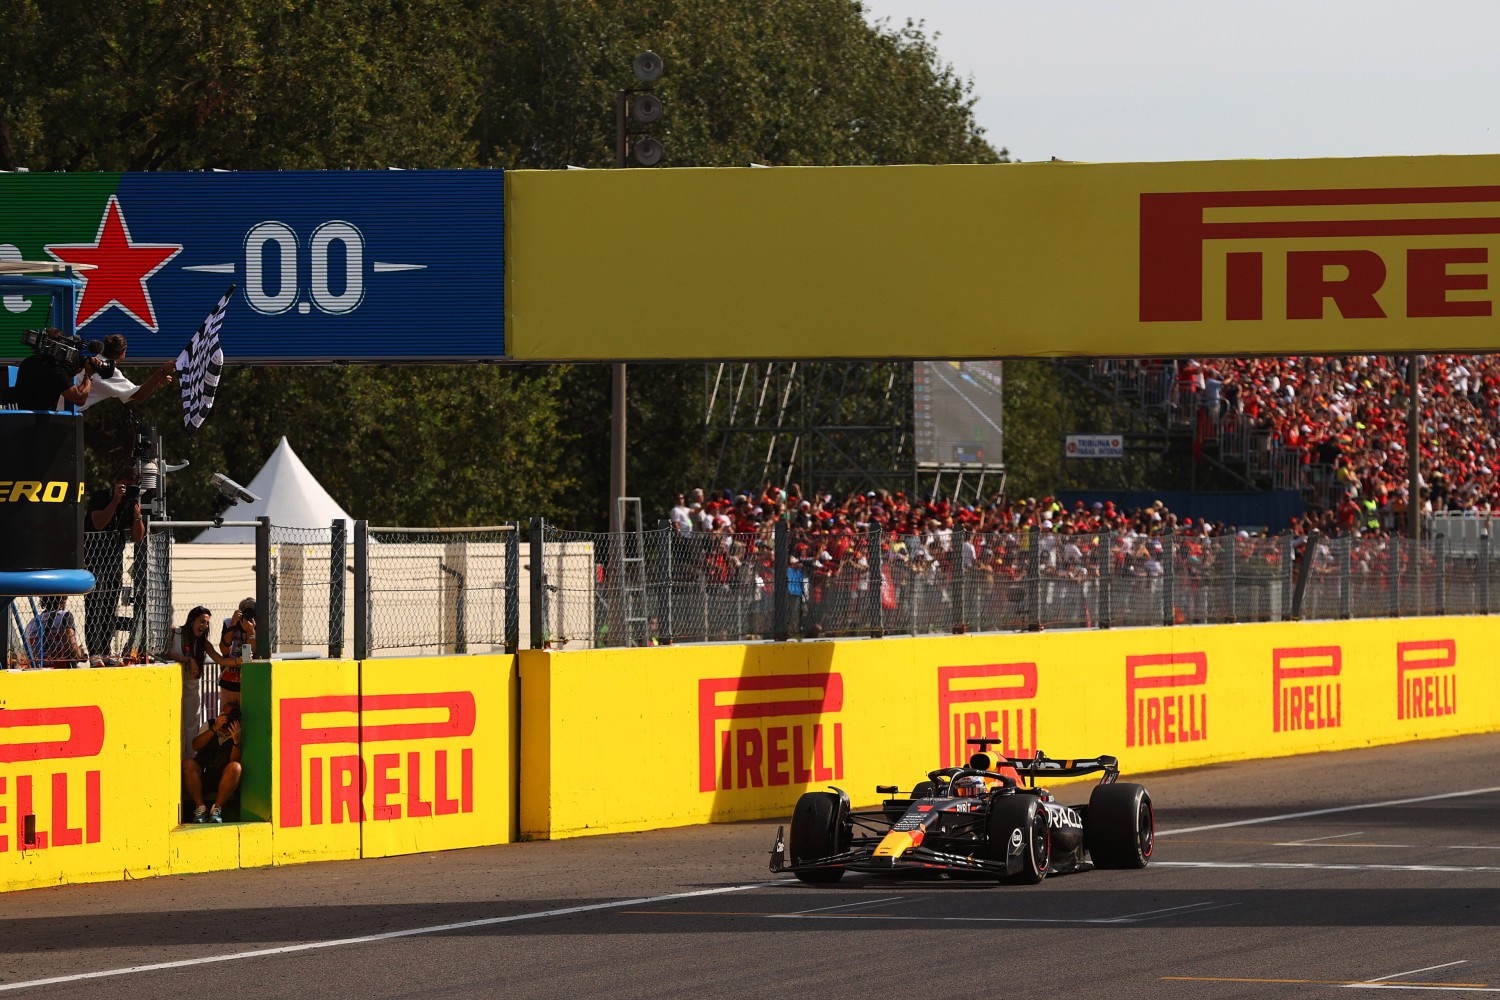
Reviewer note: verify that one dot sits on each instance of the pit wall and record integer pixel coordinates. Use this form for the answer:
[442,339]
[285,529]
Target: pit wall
[346,760]
[342,760]
[637,739]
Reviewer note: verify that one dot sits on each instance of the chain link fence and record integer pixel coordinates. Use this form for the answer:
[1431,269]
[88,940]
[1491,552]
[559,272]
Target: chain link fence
[405,591]
[440,590]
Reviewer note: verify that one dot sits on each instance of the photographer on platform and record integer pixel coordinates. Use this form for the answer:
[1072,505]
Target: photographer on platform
[117,386]
[113,516]
[47,375]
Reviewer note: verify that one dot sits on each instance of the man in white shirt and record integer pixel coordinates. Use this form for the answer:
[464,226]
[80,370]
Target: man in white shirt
[117,386]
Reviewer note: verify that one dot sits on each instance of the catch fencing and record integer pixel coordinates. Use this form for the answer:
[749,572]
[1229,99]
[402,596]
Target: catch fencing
[379,591]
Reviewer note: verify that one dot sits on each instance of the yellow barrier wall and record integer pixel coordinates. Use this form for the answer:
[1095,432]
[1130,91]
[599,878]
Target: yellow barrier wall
[438,753]
[1391,254]
[386,756]
[90,758]
[305,776]
[342,760]
[698,734]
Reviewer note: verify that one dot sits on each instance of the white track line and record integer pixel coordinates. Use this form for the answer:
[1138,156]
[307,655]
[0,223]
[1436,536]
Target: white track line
[1384,983]
[1309,866]
[1413,972]
[1327,812]
[292,949]
[849,906]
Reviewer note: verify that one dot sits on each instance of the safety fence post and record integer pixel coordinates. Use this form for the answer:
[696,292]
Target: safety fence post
[337,563]
[538,587]
[781,598]
[264,599]
[361,590]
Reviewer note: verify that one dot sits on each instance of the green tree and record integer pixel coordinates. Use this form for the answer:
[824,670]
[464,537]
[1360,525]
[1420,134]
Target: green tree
[294,84]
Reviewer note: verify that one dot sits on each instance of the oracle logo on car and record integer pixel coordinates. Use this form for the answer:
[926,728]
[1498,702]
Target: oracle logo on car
[85,725]
[390,773]
[967,712]
[1176,228]
[756,755]
[1299,700]
[1179,717]
[1426,678]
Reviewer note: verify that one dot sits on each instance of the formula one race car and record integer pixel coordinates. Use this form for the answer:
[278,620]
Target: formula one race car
[986,819]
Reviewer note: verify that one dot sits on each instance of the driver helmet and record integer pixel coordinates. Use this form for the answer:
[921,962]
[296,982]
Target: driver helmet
[969,786]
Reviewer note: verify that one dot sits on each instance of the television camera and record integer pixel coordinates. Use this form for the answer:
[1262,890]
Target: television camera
[72,351]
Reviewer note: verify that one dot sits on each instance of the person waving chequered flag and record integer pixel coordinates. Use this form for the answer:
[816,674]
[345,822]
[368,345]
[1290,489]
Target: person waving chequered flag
[200,365]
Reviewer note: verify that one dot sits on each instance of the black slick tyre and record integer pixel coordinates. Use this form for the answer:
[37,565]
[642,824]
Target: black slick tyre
[1120,830]
[1020,821]
[818,831]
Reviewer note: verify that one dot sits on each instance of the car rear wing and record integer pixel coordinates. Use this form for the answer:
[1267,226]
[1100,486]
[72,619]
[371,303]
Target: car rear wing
[1042,766]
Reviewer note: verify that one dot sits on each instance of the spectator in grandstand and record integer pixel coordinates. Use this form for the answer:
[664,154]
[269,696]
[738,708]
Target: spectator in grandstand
[237,637]
[113,516]
[681,515]
[51,639]
[214,765]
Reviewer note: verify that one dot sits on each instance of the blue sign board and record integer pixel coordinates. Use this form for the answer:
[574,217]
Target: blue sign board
[359,265]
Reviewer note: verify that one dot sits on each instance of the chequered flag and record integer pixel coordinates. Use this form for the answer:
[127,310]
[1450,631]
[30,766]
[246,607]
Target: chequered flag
[199,366]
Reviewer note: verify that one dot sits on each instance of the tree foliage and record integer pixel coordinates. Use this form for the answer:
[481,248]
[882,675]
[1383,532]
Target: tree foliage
[297,84]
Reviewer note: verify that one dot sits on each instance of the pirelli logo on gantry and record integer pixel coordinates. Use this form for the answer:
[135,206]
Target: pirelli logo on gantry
[1357,253]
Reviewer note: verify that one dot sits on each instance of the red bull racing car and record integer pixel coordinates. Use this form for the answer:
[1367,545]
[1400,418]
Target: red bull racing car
[986,819]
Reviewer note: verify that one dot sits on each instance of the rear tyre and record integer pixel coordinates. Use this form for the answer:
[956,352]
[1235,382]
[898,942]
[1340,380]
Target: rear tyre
[1021,820]
[1120,829]
[818,831]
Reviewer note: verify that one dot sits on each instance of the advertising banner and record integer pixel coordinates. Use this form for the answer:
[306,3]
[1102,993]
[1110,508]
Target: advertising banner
[41,491]
[1369,255]
[381,757]
[89,774]
[738,732]
[437,754]
[351,265]
[302,761]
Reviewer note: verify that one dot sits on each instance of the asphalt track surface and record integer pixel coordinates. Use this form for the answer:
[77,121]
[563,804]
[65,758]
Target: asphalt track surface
[1375,870]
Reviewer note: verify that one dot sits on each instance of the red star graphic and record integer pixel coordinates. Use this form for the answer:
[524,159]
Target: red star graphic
[123,268]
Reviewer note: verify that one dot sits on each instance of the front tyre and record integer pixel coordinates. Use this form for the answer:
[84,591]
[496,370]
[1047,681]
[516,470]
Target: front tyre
[818,831]
[1018,826]
[1120,830]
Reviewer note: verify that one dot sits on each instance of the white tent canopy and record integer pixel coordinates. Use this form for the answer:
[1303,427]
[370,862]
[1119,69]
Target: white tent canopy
[289,496]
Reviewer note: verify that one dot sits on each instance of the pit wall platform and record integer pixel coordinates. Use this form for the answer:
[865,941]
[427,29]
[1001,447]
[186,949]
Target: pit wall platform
[347,760]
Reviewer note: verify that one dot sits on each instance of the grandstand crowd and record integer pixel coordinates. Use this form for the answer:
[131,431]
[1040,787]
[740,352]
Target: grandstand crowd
[1342,421]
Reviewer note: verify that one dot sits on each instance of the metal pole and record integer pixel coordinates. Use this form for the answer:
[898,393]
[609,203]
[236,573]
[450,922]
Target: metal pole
[361,590]
[513,588]
[781,598]
[263,635]
[1413,436]
[337,560]
[617,442]
[538,587]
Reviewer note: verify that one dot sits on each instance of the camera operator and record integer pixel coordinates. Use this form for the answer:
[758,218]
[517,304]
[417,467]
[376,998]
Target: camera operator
[117,386]
[113,515]
[44,377]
